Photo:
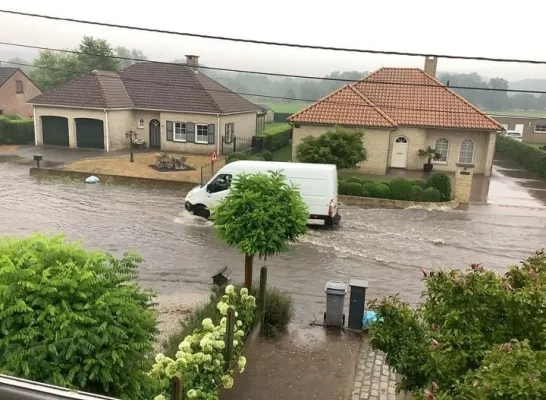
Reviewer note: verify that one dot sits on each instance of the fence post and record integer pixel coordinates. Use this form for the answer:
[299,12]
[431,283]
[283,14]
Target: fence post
[230,335]
[222,144]
[212,169]
[201,174]
[176,388]
[261,296]
[234,144]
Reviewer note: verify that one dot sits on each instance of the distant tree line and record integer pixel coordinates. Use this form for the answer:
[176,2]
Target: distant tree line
[52,69]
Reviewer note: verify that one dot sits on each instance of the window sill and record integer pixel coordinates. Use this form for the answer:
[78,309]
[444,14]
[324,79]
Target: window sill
[196,142]
[140,127]
[179,141]
[439,162]
[539,132]
[465,165]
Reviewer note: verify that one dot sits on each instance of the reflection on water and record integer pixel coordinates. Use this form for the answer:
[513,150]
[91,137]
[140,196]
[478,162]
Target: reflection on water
[386,247]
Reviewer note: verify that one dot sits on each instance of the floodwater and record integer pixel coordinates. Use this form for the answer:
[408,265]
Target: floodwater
[385,247]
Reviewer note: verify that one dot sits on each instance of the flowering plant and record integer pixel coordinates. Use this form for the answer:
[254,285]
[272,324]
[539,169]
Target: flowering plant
[138,141]
[200,360]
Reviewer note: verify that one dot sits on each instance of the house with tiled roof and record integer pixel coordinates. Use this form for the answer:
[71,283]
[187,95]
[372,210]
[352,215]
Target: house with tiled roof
[16,88]
[172,107]
[402,110]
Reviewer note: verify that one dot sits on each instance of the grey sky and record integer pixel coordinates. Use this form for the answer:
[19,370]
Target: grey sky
[464,27]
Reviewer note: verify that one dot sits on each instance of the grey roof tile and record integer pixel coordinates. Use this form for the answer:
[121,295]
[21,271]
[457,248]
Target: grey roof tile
[6,73]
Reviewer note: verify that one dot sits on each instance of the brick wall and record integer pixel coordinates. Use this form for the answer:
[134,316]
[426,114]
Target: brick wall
[12,102]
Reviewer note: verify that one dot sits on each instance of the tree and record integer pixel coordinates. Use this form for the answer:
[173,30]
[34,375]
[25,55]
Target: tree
[477,335]
[131,56]
[17,62]
[524,101]
[74,318]
[342,147]
[102,58]
[260,216]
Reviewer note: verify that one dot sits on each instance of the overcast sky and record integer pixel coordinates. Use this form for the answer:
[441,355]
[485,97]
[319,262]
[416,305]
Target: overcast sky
[463,27]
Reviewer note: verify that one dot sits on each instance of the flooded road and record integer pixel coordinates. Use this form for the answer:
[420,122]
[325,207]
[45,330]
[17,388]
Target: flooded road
[386,247]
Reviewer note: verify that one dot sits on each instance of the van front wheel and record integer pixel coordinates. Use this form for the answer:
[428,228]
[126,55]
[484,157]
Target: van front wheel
[201,211]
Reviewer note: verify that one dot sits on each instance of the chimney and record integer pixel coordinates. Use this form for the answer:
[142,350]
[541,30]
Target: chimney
[192,62]
[431,63]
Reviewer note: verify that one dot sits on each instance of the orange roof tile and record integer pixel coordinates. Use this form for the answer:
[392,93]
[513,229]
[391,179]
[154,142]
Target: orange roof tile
[408,96]
[345,106]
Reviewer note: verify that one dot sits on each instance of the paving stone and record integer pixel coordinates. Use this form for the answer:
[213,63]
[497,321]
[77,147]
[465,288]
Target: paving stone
[374,393]
[356,397]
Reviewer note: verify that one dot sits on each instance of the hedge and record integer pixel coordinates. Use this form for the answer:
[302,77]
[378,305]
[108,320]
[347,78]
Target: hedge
[281,117]
[529,157]
[274,137]
[436,189]
[15,130]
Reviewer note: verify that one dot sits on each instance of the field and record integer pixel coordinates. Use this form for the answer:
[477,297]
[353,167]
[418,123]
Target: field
[518,113]
[290,108]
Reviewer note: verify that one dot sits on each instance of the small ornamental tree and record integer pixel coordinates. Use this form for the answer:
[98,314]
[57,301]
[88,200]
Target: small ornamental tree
[260,216]
[74,318]
[477,335]
[340,146]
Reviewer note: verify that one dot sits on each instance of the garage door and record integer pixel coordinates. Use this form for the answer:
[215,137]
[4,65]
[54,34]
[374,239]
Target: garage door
[55,131]
[90,133]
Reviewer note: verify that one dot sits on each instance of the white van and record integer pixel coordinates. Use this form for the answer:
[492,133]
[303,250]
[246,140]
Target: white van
[317,184]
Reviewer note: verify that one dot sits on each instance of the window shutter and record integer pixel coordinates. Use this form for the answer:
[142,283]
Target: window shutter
[190,132]
[232,128]
[211,133]
[226,129]
[170,131]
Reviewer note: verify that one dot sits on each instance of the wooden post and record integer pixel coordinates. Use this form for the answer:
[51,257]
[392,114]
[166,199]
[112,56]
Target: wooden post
[249,270]
[230,335]
[261,296]
[234,144]
[176,388]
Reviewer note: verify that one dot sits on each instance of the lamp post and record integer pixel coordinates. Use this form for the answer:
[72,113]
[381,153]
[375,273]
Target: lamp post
[131,135]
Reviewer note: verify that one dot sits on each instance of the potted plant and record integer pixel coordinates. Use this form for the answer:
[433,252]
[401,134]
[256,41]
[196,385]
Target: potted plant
[430,154]
[138,142]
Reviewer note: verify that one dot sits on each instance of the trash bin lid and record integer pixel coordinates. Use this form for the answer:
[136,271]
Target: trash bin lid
[335,287]
[358,283]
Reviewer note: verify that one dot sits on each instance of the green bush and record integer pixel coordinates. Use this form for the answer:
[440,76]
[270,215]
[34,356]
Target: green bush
[75,318]
[353,189]
[368,189]
[279,310]
[256,157]
[400,189]
[529,157]
[267,155]
[281,117]
[14,130]
[275,136]
[354,179]
[417,193]
[431,195]
[419,182]
[442,183]
[342,186]
[382,191]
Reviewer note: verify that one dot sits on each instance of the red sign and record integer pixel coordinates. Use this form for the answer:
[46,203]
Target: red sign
[213,155]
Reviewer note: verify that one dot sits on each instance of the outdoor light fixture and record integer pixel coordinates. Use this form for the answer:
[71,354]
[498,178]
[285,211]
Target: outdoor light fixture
[38,158]
[131,135]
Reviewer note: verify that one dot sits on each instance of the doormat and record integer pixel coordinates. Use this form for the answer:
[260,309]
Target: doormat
[184,169]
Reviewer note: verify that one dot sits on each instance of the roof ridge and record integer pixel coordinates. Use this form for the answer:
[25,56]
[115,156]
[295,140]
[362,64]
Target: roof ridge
[456,95]
[372,104]
[318,101]
[97,76]
[106,75]
[194,77]
[370,74]
[227,89]
[15,69]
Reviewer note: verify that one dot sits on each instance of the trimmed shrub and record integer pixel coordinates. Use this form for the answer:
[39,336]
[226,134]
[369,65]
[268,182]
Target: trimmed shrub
[235,157]
[279,310]
[275,137]
[281,117]
[431,195]
[442,183]
[382,191]
[256,157]
[529,157]
[15,130]
[420,183]
[267,155]
[368,189]
[353,189]
[400,189]
[354,179]
[417,193]
[75,318]
[342,186]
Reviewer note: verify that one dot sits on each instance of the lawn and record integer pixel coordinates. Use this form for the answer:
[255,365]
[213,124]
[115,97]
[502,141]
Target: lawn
[289,108]
[518,113]
[284,154]
[275,128]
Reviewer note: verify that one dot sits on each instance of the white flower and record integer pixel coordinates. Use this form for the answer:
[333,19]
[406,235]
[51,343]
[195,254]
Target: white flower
[222,307]
[242,362]
[239,334]
[219,344]
[230,289]
[227,381]
[170,370]
[192,394]
[239,323]
[207,324]
[159,357]
[184,346]
[160,397]
[244,291]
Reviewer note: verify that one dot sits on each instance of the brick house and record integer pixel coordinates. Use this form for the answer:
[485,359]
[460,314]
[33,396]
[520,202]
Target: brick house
[172,107]
[16,88]
[402,110]
[533,129]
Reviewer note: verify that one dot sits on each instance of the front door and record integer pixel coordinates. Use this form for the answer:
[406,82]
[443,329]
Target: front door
[399,156]
[155,134]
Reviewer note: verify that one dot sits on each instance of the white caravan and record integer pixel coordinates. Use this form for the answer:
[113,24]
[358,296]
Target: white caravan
[317,184]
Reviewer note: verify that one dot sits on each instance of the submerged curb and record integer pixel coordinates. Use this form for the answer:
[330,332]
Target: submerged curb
[372,202]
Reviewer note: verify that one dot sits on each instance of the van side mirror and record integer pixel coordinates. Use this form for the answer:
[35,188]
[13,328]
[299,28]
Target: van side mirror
[209,187]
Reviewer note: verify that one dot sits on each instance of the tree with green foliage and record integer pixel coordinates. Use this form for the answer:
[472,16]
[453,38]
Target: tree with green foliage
[98,55]
[340,146]
[74,318]
[260,216]
[477,335]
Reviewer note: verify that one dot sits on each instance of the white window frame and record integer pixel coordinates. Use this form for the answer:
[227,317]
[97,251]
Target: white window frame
[473,151]
[540,128]
[182,128]
[141,123]
[440,161]
[196,133]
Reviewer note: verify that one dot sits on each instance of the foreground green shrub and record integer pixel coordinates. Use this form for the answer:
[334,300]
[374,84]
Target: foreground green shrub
[382,191]
[353,189]
[431,195]
[368,189]
[74,318]
[417,193]
[442,183]
[275,136]
[256,157]
[279,311]
[400,189]
[477,334]
[267,155]
[342,186]
[15,130]
[527,156]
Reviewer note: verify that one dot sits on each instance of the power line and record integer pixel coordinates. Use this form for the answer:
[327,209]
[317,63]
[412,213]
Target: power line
[271,43]
[176,85]
[270,73]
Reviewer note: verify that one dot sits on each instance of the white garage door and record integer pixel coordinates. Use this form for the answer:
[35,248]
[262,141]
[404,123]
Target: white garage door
[519,128]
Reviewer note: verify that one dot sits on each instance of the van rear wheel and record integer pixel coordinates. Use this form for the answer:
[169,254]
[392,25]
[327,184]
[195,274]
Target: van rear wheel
[201,211]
